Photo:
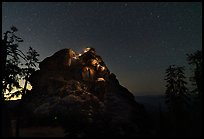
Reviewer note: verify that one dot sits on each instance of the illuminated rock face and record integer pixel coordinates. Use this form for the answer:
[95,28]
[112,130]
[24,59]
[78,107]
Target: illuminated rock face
[66,64]
[59,60]
[83,94]
[88,74]
[58,66]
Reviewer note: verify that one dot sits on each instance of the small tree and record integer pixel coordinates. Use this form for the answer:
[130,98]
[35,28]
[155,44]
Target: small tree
[182,90]
[171,86]
[31,61]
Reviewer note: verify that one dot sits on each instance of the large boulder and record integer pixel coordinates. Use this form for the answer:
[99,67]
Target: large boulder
[85,102]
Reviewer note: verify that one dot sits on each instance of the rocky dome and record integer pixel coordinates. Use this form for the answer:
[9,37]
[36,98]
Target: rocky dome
[79,93]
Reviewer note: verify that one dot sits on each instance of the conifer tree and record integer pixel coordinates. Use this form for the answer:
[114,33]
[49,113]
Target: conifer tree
[176,90]
[195,60]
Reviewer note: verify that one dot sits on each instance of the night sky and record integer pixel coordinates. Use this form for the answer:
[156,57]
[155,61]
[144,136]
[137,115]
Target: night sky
[137,41]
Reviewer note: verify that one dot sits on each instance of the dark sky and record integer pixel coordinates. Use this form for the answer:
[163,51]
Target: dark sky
[137,41]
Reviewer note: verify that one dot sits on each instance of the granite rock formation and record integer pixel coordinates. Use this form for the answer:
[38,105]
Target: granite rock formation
[79,93]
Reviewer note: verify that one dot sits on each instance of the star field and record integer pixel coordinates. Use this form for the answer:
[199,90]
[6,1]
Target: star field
[136,40]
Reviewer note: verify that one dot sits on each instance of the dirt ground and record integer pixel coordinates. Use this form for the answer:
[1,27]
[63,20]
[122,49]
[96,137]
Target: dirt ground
[41,132]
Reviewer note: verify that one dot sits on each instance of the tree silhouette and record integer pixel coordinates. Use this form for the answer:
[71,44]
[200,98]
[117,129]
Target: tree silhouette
[195,60]
[9,71]
[10,60]
[171,86]
[177,100]
[31,61]
[12,71]
[183,92]
[176,90]
[12,75]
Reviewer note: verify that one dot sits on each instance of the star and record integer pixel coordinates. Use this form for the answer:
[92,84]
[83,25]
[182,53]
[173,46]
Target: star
[60,41]
[173,49]
[29,29]
[35,14]
[180,27]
